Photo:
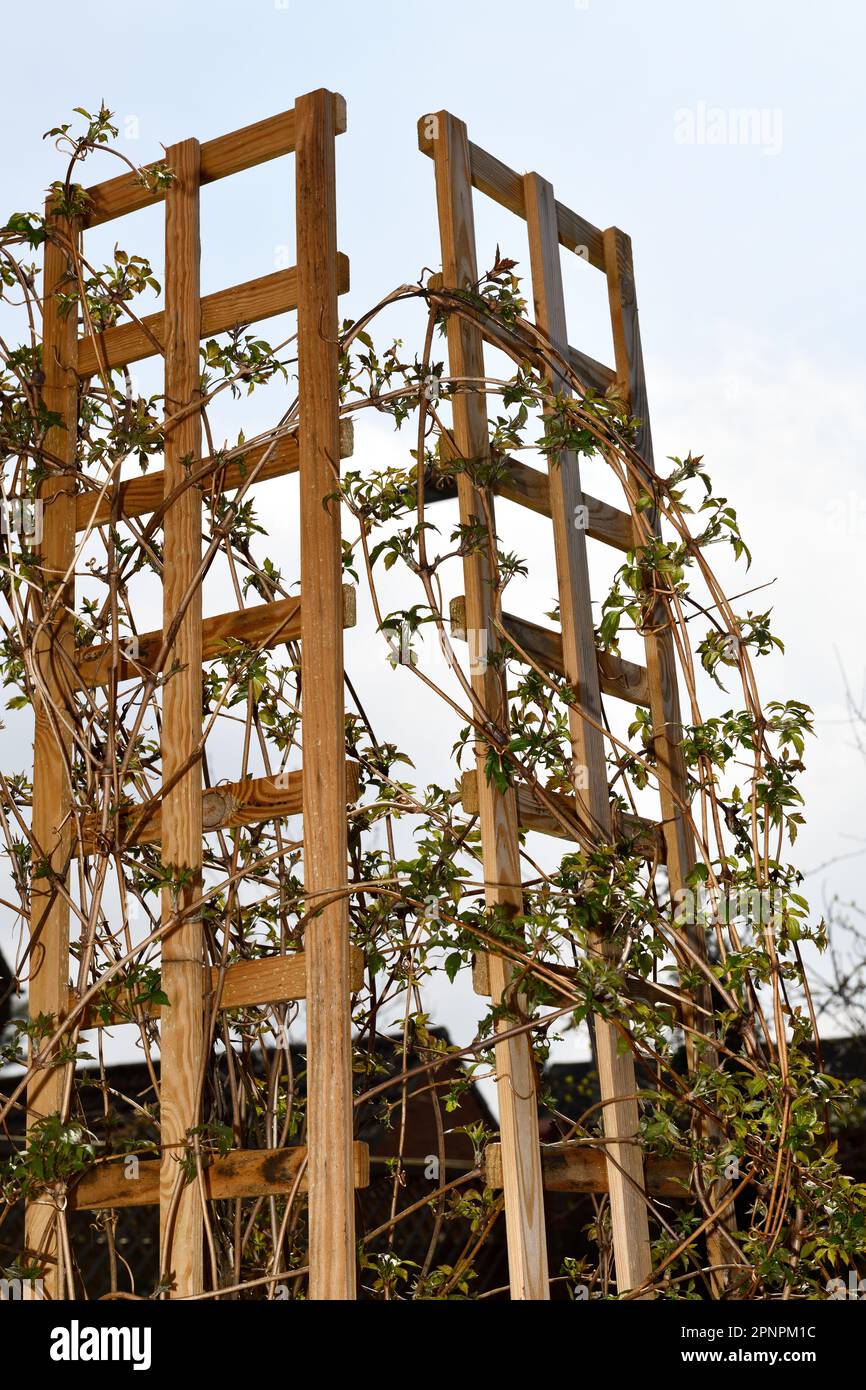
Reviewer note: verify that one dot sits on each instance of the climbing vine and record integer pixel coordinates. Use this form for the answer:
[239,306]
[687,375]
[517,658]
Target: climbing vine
[706,986]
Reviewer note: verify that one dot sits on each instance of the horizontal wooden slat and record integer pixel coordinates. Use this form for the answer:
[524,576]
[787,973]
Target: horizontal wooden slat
[130,342]
[653,992]
[225,807]
[575,1167]
[592,373]
[279,621]
[623,679]
[658,995]
[495,179]
[529,487]
[579,236]
[241,304]
[243,1173]
[246,984]
[645,834]
[227,154]
[589,371]
[262,626]
[141,496]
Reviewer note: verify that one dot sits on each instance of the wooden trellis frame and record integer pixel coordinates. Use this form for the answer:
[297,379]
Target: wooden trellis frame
[461,167]
[327,972]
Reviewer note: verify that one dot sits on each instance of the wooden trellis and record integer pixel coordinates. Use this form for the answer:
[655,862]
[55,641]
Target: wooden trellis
[327,971]
[517,1165]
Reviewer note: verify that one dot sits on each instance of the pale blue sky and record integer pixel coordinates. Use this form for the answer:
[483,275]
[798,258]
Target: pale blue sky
[725,235]
[748,256]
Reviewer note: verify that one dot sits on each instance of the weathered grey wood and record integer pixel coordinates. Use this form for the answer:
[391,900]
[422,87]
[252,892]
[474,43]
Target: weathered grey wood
[664,699]
[530,488]
[516,1086]
[591,372]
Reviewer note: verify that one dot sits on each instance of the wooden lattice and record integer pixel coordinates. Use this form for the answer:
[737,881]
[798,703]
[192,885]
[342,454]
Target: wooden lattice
[332,1165]
[571,652]
[324,975]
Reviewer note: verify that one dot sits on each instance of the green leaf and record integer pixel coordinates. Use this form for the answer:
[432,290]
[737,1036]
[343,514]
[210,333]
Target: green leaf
[453,963]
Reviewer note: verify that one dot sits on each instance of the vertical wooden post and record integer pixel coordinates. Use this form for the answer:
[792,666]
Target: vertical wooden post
[516,1087]
[182,1039]
[616,1071]
[329,1043]
[660,655]
[52,749]
[661,666]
